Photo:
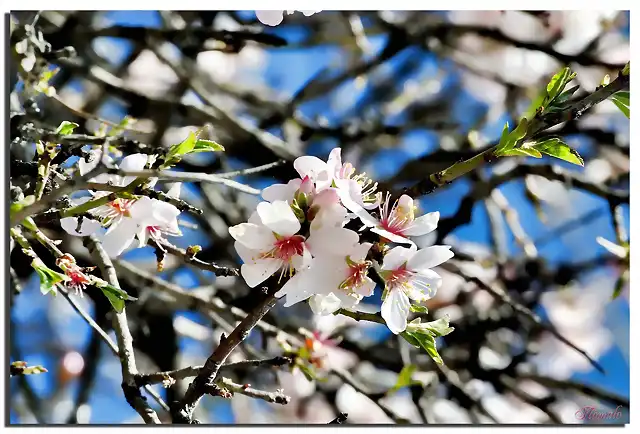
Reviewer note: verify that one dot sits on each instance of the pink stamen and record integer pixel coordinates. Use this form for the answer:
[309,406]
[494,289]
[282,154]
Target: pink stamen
[286,248]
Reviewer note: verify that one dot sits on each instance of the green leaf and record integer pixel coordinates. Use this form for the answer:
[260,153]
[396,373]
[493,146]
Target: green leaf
[520,131]
[439,327]
[116,296]
[558,82]
[504,142]
[48,277]
[26,201]
[418,308]
[203,145]
[404,379]
[558,149]
[624,108]
[564,96]
[522,152]
[184,147]
[620,284]
[66,127]
[625,70]
[623,97]
[124,123]
[425,341]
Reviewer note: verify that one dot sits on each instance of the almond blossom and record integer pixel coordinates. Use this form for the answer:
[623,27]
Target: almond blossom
[77,280]
[273,18]
[269,242]
[336,280]
[399,222]
[408,276]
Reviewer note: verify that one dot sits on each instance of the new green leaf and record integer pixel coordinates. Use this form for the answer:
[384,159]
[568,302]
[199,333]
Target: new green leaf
[558,82]
[419,308]
[66,127]
[404,379]
[116,296]
[203,145]
[558,149]
[622,101]
[522,152]
[48,277]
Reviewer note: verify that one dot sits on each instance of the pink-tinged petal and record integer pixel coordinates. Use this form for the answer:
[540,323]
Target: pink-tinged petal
[429,257]
[325,304]
[332,240]
[360,251]
[270,18]
[367,288]
[395,310]
[254,237]
[254,273]
[174,191]
[281,191]
[392,237]
[331,216]
[423,225]
[278,217]
[326,198]
[397,257]
[118,240]
[88,227]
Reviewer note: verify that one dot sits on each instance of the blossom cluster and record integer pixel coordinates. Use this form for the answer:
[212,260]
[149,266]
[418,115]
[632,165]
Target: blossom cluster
[120,221]
[299,231]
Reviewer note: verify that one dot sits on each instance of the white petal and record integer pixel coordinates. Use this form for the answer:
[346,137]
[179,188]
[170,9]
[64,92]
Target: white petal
[143,236]
[253,236]
[278,217]
[270,18]
[334,162]
[309,166]
[356,208]
[331,216]
[132,163]
[85,167]
[324,304]
[302,262]
[396,257]
[281,191]
[423,224]
[392,237]
[165,212]
[367,288]
[245,253]
[360,251]
[395,310]
[405,204]
[88,227]
[174,191]
[332,240]
[254,273]
[429,257]
[143,209]
[119,239]
[613,248]
[308,14]
[255,219]
[424,286]
[295,290]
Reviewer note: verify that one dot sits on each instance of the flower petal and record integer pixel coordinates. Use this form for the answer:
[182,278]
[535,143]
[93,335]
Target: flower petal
[366,288]
[85,167]
[395,310]
[424,285]
[396,257]
[314,168]
[253,236]
[174,191]
[332,240]
[88,227]
[359,251]
[423,224]
[334,162]
[165,212]
[254,273]
[613,248]
[132,163]
[245,253]
[119,239]
[281,191]
[295,290]
[278,217]
[301,262]
[356,208]
[270,18]
[392,237]
[324,304]
[429,257]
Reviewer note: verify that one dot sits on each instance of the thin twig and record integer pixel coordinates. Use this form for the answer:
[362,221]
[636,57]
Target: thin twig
[245,389]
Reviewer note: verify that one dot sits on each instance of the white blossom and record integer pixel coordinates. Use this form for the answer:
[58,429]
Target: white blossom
[408,276]
[273,18]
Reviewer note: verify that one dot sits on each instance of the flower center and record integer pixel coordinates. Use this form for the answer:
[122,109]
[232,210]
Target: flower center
[398,219]
[399,277]
[367,186]
[121,206]
[357,273]
[286,248]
